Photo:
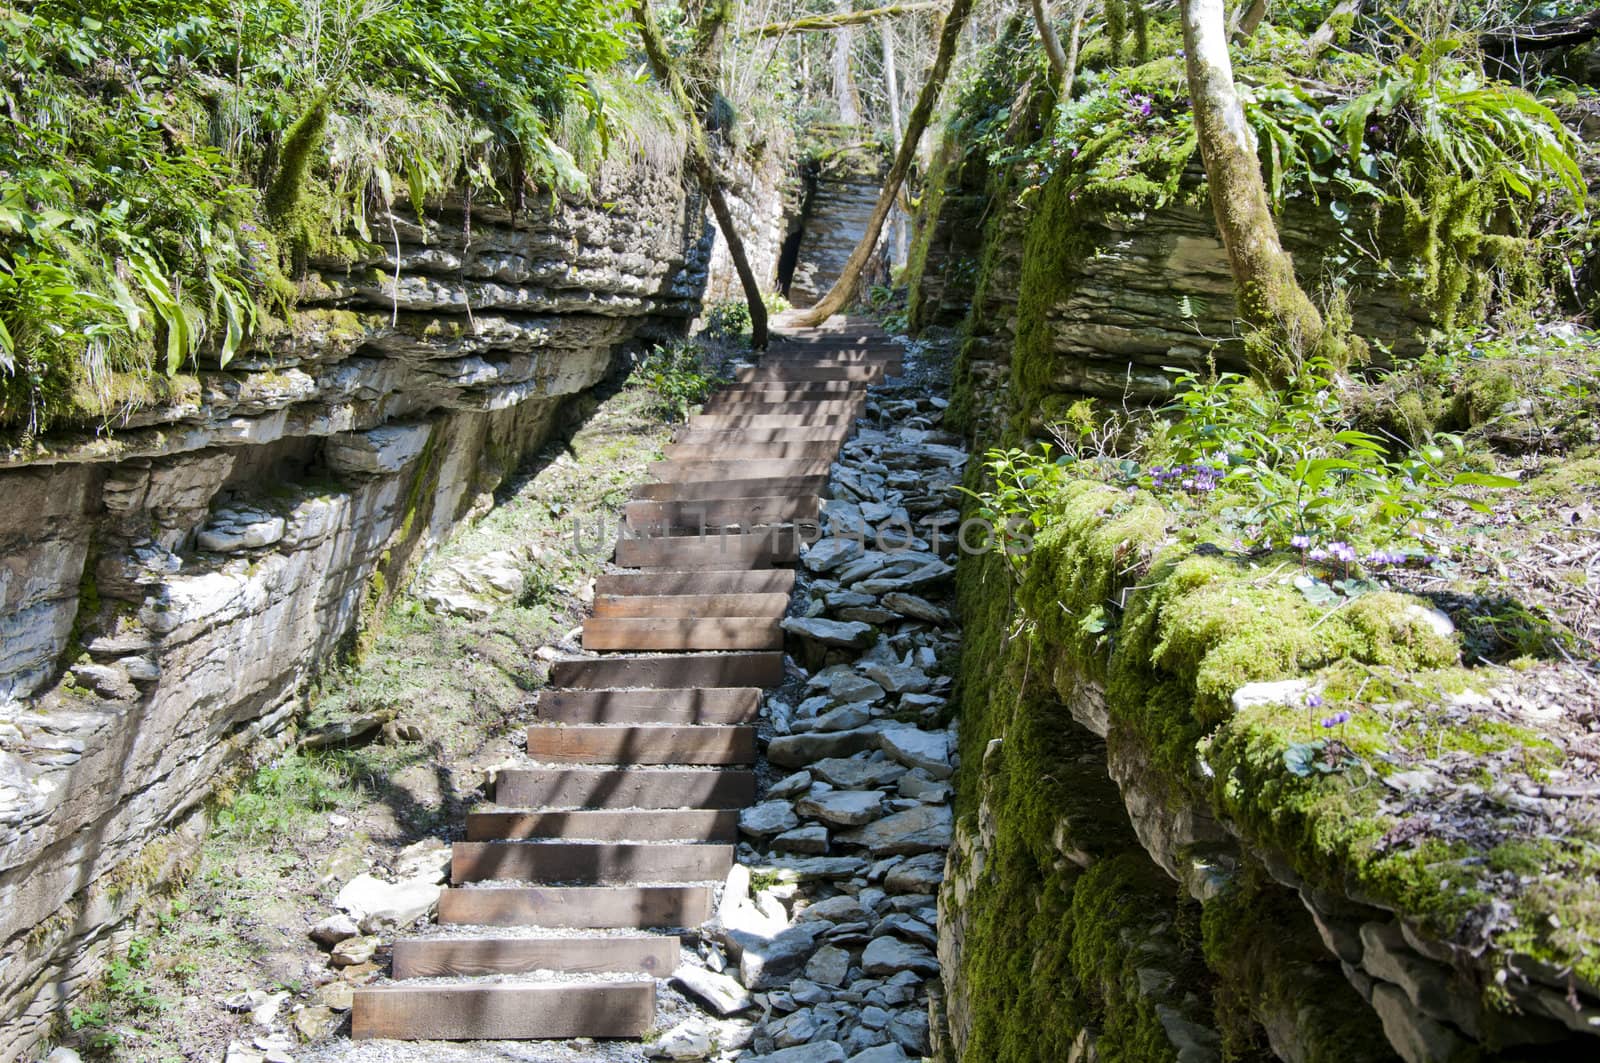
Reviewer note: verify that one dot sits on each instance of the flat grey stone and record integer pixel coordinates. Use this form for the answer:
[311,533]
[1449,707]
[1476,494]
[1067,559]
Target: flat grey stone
[810,841]
[842,808]
[916,748]
[844,634]
[817,1052]
[832,552]
[924,829]
[889,955]
[853,773]
[768,818]
[802,750]
[829,965]
[717,991]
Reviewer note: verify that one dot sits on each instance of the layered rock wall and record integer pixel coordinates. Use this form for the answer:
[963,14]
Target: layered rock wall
[167,588]
[839,198]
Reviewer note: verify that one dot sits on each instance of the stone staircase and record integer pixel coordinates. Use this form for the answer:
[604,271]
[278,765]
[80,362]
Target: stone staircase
[567,896]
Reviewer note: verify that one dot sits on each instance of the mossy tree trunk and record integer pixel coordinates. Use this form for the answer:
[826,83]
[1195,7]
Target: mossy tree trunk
[1285,323]
[844,288]
[1052,44]
[844,84]
[701,160]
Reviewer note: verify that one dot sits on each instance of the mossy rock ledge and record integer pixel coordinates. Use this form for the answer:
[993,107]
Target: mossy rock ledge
[1163,854]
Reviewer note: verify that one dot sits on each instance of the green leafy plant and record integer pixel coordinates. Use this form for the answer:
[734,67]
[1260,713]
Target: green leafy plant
[728,321]
[1289,467]
[163,164]
[678,375]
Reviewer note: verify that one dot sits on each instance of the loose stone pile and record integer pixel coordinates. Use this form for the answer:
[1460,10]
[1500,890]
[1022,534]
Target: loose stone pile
[827,922]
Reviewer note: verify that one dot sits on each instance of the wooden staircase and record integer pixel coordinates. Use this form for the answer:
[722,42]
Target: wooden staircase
[625,816]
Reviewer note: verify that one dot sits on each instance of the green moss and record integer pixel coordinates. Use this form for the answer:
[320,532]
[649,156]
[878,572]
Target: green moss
[1566,479]
[1273,969]
[283,200]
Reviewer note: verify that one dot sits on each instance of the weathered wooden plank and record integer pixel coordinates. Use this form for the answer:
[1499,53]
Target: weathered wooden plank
[606,825]
[757,669]
[623,788]
[825,434]
[464,957]
[601,907]
[588,863]
[727,487]
[678,633]
[504,1011]
[690,606]
[756,404]
[758,548]
[765,581]
[714,514]
[702,471]
[642,744]
[720,421]
[704,705]
[815,373]
[729,450]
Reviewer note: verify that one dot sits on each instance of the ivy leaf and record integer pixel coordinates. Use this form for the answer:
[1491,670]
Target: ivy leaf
[1305,758]
[1315,591]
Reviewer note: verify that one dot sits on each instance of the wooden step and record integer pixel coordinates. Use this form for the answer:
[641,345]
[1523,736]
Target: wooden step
[675,633]
[826,374]
[701,705]
[555,788]
[464,957]
[504,1011]
[739,405]
[758,548]
[616,743]
[713,514]
[826,434]
[690,606]
[668,472]
[720,421]
[725,488]
[728,450]
[606,825]
[758,669]
[601,907]
[766,581]
[588,863]
[777,391]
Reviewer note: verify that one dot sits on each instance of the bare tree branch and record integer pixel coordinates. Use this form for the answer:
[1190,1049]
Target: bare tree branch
[837,19]
[1052,43]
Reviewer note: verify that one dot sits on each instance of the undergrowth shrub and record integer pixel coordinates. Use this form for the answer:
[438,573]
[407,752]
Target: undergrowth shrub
[164,165]
[679,375]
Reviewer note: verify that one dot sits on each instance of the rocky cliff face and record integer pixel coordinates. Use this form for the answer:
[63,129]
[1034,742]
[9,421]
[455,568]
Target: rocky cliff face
[838,199]
[167,588]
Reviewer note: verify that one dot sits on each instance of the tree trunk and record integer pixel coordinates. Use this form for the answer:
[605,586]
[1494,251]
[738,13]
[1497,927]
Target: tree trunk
[844,86]
[705,168]
[1052,45]
[1248,20]
[897,222]
[1343,14]
[844,288]
[1074,39]
[1270,300]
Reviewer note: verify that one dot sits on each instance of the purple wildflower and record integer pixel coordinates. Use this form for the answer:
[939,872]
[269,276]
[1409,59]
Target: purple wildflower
[1300,542]
[1313,700]
[1336,719]
[1342,552]
[1319,554]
